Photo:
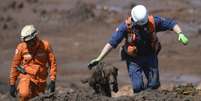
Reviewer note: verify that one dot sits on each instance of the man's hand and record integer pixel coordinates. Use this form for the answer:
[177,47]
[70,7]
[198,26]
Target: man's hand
[183,39]
[13,90]
[51,86]
[93,63]
[107,48]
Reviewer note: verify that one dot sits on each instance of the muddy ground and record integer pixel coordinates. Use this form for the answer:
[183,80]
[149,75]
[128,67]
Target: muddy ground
[78,29]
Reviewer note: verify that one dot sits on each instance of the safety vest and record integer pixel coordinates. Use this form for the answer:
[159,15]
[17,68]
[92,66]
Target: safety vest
[131,38]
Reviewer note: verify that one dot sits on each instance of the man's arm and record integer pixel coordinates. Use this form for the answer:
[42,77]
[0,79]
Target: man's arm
[163,24]
[52,63]
[106,50]
[181,37]
[177,29]
[17,58]
[116,38]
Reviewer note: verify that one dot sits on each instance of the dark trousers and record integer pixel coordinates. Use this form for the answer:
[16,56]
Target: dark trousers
[147,65]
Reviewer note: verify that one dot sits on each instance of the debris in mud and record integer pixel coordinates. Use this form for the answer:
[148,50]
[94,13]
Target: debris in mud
[180,93]
[74,93]
[86,94]
[32,1]
[125,90]
[188,89]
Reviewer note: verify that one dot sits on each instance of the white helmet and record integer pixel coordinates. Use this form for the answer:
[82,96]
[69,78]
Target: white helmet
[28,32]
[139,14]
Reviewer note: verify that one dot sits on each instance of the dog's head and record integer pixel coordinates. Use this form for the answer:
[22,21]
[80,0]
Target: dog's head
[111,74]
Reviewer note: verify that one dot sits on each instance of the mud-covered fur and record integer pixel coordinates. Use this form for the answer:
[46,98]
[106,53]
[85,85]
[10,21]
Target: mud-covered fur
[103,78]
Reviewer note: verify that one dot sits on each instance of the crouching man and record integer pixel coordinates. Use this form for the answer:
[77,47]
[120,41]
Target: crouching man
[29,65]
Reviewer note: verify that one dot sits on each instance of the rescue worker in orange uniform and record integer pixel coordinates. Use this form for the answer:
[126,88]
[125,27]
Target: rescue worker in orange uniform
[29,64]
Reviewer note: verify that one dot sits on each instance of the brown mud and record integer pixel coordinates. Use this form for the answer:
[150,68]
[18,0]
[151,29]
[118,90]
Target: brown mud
[78,29]
[180,93]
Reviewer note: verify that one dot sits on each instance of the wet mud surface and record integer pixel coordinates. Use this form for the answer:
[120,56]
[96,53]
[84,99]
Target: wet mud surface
[78,29]
[180,93]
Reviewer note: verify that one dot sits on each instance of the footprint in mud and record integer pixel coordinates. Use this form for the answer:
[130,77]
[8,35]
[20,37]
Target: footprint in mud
[32,1]
[16,5]
[7,22]
[125,90]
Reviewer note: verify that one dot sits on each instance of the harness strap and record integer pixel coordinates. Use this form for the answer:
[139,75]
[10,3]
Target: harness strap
[131,36]
[34,53]
[151,24]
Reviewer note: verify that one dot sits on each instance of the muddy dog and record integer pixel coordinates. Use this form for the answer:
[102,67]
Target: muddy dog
[103,78]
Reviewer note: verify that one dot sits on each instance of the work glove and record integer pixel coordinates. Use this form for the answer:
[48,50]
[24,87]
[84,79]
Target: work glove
[93,63]
[51,86]
[183,39]
[13,90]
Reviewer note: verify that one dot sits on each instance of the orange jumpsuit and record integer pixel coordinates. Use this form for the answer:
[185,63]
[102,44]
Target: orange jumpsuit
[34,82]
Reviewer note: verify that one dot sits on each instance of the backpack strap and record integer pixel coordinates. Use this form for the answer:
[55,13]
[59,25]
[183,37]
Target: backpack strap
[151,24]
[45,44]
[130,36]
[156,45]
[128,24]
